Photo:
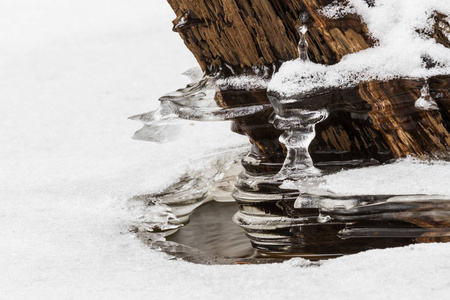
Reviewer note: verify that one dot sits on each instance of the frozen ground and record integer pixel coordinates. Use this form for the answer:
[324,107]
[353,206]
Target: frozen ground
[71,72]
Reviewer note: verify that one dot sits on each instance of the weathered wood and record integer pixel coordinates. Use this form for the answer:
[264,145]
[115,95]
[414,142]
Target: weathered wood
[234,35]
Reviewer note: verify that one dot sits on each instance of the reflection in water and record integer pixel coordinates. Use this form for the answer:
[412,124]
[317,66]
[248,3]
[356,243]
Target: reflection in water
[211,230]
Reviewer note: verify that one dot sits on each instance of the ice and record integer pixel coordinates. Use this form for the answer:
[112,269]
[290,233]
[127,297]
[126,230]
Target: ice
[157,217]
[164,112]
[159,132]
[206,178]
[302,43]
[298,163]
[418,194]
[195,102]
[415,180]
[245,81]
[425,101]
[194,74]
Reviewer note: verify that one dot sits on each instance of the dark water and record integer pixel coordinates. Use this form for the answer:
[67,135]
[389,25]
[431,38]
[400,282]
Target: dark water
[212,231]
[212,237]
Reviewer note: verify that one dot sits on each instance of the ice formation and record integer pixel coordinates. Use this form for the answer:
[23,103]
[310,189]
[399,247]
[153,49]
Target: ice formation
[425,101]
[297,122]
[196,102]
[208,177]
[245,82]
[405,50]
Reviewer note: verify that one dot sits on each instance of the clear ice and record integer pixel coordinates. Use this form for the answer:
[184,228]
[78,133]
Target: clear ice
[298,124]
[195,102]
[303,44]
[425,101]
[299,131]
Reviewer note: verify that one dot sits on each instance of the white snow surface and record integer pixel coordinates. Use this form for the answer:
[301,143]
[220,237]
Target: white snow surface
[407,176]
[71,72]
[399,52]
[337,10]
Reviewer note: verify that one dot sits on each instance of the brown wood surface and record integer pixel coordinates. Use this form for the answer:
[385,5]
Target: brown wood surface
[406,129]
[239,34]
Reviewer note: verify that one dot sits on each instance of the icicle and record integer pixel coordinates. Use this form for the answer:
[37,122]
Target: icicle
[303,44]
[425,101]
[195,102]
[194,74]
[164,112]
[299,131]
[323,218]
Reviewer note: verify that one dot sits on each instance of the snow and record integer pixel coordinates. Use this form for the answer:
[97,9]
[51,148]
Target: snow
[399,53]
[71,72]
[337,10]
[243,82]
[411,177]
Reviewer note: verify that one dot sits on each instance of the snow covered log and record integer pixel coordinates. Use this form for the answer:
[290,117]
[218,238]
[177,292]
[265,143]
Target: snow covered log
[236,37]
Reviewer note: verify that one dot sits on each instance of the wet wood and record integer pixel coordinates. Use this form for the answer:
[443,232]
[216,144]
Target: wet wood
[406,129]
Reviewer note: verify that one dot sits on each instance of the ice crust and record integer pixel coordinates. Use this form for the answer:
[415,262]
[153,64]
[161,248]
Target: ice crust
[71,73]
[400,51]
